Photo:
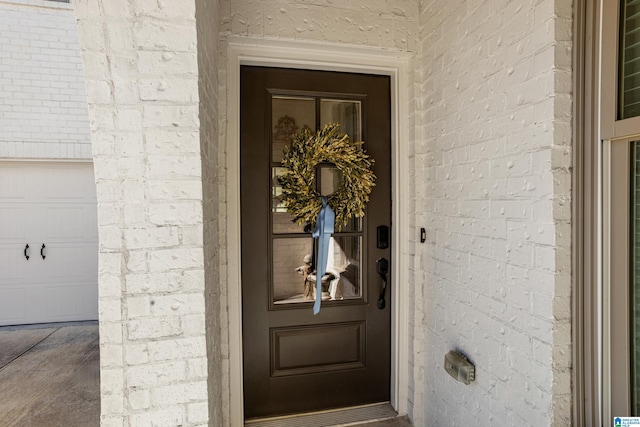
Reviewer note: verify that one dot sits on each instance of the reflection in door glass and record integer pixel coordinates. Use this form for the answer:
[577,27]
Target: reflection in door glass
[329,178]
[345,113]
[635,278]
[283,221]
[290,115]
[344,256]
[291,266]
[294,279]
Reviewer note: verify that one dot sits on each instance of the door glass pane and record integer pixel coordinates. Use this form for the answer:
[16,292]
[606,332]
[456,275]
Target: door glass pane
[635,278]
[629,60]
[345,113]
[344,258]
[294,275]
[289,115]
[328,179]
[291,264]
[283,222]
[348,115]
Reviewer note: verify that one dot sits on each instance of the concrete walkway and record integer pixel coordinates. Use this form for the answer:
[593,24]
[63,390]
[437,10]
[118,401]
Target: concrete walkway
[49,376]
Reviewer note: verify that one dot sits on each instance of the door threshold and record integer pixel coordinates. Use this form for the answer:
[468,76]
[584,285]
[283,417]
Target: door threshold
[344,417]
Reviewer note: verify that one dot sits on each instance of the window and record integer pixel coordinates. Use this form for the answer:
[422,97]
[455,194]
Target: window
[629,60]
[620,138]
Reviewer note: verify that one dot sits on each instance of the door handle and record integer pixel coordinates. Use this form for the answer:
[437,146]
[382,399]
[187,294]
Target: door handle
[26,248]
[382,267]
[42,251]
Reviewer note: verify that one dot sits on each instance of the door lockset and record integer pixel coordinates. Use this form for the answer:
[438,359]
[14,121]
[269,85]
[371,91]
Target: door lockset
[382,237]
[382,267]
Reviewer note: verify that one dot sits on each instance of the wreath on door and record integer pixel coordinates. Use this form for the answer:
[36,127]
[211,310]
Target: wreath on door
[308,150]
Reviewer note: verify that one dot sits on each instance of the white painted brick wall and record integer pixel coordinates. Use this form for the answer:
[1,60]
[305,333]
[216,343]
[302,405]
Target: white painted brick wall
[154,136]
[216,319]
[385,24]
[43,104]
[491,162]
[493,180]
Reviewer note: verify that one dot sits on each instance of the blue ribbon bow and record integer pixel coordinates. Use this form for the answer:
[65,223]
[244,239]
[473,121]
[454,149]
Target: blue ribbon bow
[324,229]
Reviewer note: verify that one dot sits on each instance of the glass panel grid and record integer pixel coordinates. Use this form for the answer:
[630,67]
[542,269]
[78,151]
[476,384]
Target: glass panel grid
[293,278]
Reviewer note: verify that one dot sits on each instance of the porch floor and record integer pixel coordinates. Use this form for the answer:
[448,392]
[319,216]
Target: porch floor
[378,415]
[49,375]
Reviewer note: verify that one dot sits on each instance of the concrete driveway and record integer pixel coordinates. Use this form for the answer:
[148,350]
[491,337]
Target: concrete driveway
[49,375]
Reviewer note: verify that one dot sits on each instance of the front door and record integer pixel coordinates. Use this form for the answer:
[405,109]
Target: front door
[295,361]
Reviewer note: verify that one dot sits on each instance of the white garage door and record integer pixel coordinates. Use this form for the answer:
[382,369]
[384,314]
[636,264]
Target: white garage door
[51,208]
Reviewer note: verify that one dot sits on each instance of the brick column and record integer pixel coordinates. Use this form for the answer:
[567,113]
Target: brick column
[142,68]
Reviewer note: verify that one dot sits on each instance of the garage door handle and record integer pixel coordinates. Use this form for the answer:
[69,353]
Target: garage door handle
[42,251]
[26,248]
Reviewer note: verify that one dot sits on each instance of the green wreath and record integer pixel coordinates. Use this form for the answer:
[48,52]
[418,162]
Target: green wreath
[306,151]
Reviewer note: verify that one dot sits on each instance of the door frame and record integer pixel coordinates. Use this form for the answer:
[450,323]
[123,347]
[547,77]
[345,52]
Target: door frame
[327,57]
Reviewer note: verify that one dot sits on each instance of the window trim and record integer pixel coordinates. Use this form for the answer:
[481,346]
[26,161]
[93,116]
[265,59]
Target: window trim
[586,283]
[596,133]
[616,135]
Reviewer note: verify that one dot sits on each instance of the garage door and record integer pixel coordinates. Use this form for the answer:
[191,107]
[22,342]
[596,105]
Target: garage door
[52,209]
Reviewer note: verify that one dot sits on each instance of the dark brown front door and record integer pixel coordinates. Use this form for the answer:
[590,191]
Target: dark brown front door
[294,361]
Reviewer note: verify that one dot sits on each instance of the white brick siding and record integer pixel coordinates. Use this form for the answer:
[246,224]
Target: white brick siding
[489,168]
[154,134]
[384,24]
[216,411]
[43,103]
[493,181]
